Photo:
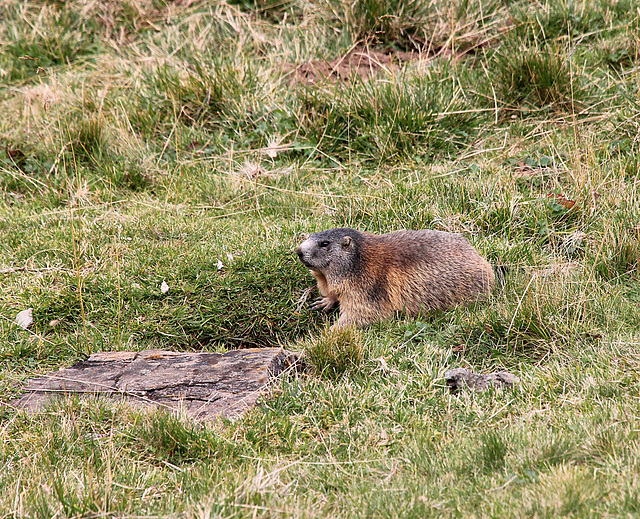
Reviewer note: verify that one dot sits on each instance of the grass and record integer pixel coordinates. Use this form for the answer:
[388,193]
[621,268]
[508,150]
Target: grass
[146,142]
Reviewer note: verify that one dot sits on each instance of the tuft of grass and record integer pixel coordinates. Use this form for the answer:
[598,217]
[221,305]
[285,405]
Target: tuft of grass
[392,22]
[403,116]
[414,25]
[86,137]
[58,38]
[553,20]
[196,97]
[537,78]
[619,252]
[272,10]
[335,352]
[492,452]
[169,438]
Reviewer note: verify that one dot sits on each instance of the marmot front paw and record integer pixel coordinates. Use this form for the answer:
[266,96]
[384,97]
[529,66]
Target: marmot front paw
[323,304]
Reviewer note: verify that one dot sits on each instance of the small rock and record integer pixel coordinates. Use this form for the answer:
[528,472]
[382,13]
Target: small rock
[459,378]
[24,318]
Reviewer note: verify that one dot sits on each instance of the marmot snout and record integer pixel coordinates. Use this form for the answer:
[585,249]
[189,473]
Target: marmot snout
[373,276]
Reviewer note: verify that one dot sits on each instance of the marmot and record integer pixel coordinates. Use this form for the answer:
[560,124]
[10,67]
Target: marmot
[372,276]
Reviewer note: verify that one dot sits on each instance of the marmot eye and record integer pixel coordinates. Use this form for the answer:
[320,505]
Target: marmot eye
[323,244]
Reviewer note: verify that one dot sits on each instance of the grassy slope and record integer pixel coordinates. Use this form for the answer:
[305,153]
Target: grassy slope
[133,150]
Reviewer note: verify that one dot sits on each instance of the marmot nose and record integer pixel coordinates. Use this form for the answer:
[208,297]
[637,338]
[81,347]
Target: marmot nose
[299,253]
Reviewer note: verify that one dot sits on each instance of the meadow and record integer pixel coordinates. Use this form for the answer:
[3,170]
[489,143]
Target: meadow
[195,143]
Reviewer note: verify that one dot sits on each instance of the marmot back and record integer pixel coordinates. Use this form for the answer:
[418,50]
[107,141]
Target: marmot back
[372,276]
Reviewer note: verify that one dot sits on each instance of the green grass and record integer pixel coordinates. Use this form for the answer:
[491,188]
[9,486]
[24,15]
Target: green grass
[146,142]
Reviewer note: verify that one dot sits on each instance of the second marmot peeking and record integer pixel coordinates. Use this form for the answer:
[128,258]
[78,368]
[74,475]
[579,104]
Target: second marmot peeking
[373,276]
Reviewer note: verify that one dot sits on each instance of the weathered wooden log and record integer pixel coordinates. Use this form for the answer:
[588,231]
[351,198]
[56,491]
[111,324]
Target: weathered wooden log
[203,385]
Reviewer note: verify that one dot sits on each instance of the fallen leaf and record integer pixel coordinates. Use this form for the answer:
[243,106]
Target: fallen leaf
[562,200]
[24,318]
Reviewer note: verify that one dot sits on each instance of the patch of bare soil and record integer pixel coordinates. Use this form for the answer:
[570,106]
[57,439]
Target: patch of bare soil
[358,62]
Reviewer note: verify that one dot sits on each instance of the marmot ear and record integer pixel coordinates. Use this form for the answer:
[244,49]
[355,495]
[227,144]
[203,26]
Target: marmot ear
[346,241]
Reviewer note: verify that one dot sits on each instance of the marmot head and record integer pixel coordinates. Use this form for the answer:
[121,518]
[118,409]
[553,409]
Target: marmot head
[335,250]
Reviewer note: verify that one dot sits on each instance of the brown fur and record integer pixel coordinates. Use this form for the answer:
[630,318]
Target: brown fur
[374,276]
